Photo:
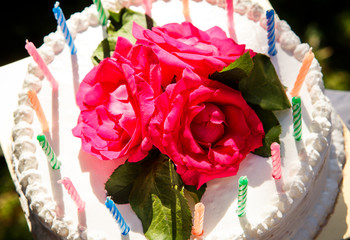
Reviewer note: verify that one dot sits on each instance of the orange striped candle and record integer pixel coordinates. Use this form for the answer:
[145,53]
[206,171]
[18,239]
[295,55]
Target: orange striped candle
[186,10]
[198,218]
[33,98]
[304,69]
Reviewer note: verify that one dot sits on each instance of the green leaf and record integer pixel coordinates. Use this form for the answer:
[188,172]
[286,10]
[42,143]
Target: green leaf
[236,71]
[121,23]
[121,181]
[104,49]
[272,130]
[156,194]
[194,193]
[160,179]
[263,86]
[165,222]
[120,26]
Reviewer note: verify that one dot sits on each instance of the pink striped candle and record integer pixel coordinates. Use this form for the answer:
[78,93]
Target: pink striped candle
[147,4]
[68,185]
[276,160]
[230,19]
[37,58]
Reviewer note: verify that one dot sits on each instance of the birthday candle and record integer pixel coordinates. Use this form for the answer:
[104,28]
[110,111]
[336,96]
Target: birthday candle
[186,10]
[276,160]
[296,107]
[148,7]
[271,39]
[117,215]
[50,154]
[68,185]
[304,69]
[198,218]
[230,19]
[101,12]
[242,195]
[61,21]
[37,58]
[33,98]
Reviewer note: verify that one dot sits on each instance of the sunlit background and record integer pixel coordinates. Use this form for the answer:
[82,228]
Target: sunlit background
[324,24]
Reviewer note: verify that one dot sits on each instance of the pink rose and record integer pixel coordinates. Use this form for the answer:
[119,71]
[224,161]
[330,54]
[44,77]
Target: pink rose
[205,127]
[116,99]
[180,46]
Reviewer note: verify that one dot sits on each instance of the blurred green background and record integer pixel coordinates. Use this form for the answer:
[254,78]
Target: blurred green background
[325,25]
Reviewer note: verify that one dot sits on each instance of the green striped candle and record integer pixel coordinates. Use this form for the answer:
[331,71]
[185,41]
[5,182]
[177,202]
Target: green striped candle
[102,17]
[242,195]
[51,156]
[296,107]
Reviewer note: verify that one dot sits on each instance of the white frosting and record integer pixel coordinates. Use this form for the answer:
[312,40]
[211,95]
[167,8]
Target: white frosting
[294,206]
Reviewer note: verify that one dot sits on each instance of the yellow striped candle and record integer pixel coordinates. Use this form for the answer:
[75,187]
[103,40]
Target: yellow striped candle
[33,98]
[304,69]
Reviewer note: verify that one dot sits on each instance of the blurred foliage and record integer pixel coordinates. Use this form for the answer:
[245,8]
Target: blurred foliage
[13,225]
[325,26]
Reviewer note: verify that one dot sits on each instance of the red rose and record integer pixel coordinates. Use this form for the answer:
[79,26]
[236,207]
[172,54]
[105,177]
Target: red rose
[116,100]
[180,46]
[205,127]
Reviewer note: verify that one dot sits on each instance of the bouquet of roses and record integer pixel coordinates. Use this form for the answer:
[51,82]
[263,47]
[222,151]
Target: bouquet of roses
[183,106]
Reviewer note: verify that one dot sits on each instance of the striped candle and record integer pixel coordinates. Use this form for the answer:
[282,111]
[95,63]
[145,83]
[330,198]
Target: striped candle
[147,4]
[242,196]
[50,154]
[296,107]
[230,19]
[186,10]
[198,219]
[34,101]
[304,69]
[271,39]
[101,12]
[276,160]
[37,58]
[61,21]
[117,215]
[72,191]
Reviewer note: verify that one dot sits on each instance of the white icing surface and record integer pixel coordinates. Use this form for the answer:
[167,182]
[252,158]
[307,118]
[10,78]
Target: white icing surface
[293,207]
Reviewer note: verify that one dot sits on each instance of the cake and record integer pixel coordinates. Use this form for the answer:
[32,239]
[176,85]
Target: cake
[294,207]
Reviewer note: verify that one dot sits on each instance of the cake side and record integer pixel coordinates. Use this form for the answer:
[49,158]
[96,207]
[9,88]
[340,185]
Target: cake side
[296,179]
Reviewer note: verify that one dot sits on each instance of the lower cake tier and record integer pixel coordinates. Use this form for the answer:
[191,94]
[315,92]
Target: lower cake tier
[293,207]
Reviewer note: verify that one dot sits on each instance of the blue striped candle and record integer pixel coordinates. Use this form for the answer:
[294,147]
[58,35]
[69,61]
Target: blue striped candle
[271,39]
[61,21]
[125,229]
